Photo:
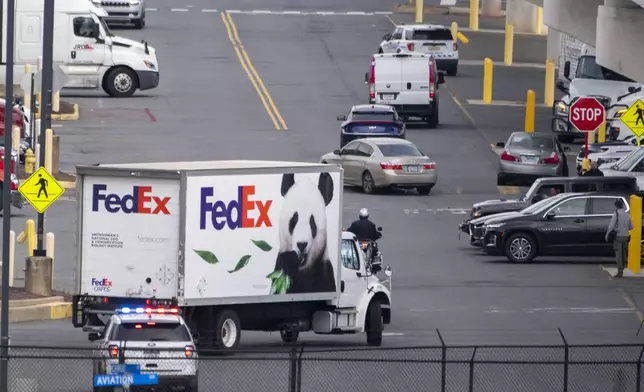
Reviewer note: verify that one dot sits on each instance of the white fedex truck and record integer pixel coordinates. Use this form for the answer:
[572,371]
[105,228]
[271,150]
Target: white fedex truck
[84,48]
[234,245]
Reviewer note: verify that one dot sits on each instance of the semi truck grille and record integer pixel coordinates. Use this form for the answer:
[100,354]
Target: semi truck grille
[114,4]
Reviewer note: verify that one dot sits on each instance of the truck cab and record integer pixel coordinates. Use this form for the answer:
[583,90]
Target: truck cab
[85,49]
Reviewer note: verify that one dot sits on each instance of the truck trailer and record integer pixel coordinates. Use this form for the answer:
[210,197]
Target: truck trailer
[235,245]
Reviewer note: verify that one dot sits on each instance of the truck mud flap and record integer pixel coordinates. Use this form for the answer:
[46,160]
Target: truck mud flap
[79,319]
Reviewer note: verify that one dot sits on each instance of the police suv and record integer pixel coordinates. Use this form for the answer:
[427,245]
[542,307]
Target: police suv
[145,347]
[435,40]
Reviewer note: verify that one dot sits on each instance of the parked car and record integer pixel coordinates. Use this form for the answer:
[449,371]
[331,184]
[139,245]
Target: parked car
[528,156]
[374,163]
[541,189]
[607,152]
[569,224]
[370,121]
[631,165]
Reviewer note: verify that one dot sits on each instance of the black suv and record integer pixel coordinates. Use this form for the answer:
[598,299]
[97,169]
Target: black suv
[569,224]
[543,187]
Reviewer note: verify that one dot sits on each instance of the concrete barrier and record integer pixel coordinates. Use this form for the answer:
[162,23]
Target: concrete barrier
[38,273]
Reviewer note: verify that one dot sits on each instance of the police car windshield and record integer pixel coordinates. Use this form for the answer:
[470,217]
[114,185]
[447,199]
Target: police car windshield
[150,331]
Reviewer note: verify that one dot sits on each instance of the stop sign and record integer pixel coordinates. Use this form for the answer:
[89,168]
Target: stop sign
[586,114]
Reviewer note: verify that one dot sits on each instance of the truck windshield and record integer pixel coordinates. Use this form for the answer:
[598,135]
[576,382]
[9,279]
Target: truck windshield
[108,32]
[587,68]
[148,332]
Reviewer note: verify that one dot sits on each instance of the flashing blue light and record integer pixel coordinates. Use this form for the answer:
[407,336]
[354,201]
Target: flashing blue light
[125,310]
[140,310]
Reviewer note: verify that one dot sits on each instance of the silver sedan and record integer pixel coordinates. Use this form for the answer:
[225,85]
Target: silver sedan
[374,163]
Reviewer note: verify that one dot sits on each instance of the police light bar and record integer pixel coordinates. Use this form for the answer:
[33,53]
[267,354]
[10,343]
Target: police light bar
[128,310]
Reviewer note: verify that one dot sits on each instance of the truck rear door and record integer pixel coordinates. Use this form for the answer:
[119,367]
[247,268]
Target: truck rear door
[129,237]
[415,81]
[388,79]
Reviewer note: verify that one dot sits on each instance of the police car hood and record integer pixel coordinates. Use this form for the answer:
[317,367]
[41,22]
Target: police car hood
[495,217]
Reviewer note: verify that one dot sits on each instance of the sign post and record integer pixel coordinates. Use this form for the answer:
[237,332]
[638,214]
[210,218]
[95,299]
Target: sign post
[633,118]
[586,114]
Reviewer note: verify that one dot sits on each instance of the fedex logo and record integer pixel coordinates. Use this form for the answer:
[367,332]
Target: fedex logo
[139,202]
[102,284]
[221,213]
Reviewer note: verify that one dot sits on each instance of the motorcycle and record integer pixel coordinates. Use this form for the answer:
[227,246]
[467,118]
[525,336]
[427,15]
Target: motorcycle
[368,246]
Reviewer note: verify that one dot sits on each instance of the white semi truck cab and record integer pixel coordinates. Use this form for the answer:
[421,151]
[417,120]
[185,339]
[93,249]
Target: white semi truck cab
[84,48]
[238,245]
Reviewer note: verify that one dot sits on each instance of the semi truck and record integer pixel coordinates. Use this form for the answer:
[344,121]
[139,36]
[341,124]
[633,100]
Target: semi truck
[85,49]
[232,245]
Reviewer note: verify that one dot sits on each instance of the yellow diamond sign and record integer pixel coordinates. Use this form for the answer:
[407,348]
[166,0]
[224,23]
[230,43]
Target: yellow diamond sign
[633,118]
[41,190]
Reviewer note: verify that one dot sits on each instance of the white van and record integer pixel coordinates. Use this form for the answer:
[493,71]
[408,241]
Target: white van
[408,82]
[84,48]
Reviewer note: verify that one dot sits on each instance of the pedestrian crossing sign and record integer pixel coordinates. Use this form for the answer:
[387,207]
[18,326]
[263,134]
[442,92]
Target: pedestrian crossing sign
[41,190]
[633,118]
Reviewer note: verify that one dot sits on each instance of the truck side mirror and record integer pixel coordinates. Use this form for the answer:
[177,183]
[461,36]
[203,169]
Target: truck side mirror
[550,215]
[566,70]
[500,145]
[93,336]
[386,37]
[366,78]
[560,86]
[389,271]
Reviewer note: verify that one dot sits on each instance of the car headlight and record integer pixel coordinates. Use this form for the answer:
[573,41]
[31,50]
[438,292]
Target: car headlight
[149,64]
[620,112]
[135,2]
[562,109]
[493,226]
[477,214]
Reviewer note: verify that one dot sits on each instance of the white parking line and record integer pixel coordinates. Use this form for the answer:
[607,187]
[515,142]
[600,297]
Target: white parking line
[209,10]
[151,9]
[179,10]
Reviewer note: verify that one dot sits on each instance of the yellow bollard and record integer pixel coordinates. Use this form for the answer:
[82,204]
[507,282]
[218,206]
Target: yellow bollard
[634,245]
[601,133]
[27,98]
[419,11]
[55,101]
[454,29]
[463,38]
[49,144]
[30,161]
[529,111]
[509,44]
[21,237]
[474,15]
[549,88]
[487,80]
[31,237]
[539,27]
[585,165]
[49,248]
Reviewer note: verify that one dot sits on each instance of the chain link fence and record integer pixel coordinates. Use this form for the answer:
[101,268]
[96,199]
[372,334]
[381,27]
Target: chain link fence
[567,368]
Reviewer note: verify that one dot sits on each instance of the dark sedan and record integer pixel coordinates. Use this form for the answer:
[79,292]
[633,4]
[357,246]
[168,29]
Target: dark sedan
[568,224]
[371,121]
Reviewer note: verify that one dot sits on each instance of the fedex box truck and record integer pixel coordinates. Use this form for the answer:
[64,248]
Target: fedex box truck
[252,245]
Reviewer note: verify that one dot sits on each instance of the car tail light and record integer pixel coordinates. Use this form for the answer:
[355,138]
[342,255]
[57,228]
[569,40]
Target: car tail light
[552,159]
[390,166]
[114,351]
[410,46]
[432,79]
[455,46]
[138,326]
[372,79]
[430,166]
[507,157]
[189,351]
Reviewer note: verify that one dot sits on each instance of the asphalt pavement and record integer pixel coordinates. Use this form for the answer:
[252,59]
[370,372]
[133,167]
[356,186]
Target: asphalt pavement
[312,67]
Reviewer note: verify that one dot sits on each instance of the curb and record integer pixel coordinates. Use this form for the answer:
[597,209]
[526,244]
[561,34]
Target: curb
[52,308]
[75,115]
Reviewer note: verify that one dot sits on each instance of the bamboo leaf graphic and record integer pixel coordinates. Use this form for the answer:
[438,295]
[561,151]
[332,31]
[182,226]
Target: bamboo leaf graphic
[279,285]
[275,274]
[243,262]
[287,284]
[273,288]
[207,256]
[263,245]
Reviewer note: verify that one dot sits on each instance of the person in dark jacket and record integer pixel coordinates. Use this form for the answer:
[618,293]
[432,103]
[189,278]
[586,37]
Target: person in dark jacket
[620,225]
[363,228]
[594,170]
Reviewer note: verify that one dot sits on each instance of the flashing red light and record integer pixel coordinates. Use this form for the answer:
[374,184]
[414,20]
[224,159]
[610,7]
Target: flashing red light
[189,351]
[138,326]
[114,351]
[105,300]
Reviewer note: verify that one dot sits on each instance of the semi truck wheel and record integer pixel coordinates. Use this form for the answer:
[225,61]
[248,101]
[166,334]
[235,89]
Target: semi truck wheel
[227,331]
[120,82]
[374,324]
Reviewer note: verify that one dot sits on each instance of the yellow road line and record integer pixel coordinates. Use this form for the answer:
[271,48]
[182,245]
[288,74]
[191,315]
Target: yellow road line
[509,190]
[460,106]
[260,88]
[390,20]
[632,304]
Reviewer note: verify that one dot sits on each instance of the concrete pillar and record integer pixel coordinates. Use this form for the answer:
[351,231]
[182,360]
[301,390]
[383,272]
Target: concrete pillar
[619,44]
[522,15]
[553,45]
[55,153]
[577,18]
[491,8]
[38,275]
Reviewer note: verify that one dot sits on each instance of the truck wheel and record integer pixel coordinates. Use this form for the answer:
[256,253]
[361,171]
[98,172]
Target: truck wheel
[289,336]
[120,82]
[227,331]
[374,324]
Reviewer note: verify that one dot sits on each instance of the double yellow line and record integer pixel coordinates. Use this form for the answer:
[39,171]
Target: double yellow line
[267,101]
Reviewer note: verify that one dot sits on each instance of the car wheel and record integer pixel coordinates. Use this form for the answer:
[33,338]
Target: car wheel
[424,190]
[452,71]
[121,82]
[368,184]
[520,248]
[566,138]
[374,324]
[289,336]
